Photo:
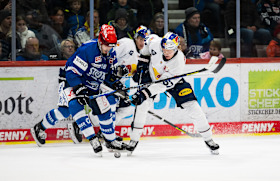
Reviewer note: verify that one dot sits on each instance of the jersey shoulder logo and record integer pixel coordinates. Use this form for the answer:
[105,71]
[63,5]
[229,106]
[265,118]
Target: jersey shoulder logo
[98,59]
[154,52]
[80,63]
[131,52]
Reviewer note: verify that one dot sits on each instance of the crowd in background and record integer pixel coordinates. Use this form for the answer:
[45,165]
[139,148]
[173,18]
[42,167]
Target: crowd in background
[54,29]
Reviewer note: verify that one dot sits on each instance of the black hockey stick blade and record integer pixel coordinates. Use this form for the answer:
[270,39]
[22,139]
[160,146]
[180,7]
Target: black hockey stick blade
[220,66]
[174,126]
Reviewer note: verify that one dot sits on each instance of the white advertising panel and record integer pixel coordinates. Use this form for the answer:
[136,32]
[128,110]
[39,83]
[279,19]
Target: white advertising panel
[237,93]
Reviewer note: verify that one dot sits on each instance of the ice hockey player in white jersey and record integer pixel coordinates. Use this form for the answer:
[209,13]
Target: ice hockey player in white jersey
[167,61]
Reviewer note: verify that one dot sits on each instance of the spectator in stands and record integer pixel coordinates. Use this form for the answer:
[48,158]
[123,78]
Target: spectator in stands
[6,5]
[214,50]
[83,34]
[67,49]
[2,56]
[131,18]
[196,34]
[183,46]
[58,22]
[157,24]
[31,51]
[104,7]
[51,4]
[214,18]
[22,30]
[49,39]
[273,49]
[5,24]
[146,9]
[75,17]
[269,11]
[5,32]
[121,24]
[38,7]
[250,25]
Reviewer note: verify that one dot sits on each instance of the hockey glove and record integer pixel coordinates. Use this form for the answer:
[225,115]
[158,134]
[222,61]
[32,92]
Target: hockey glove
[141,96]
[142,72]
[119,87]
[61,76]
[81,92]
[122,71]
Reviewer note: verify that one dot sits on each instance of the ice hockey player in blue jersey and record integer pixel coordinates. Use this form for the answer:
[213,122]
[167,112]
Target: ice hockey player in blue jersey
[92,64]
[127,52]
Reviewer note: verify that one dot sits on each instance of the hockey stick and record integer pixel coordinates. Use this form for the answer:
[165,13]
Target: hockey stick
[104,87]
[174,126]
[139,81]
[209,66]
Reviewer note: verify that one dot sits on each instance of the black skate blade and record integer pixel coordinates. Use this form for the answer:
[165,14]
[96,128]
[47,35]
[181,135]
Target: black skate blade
[72,133]
[35,138]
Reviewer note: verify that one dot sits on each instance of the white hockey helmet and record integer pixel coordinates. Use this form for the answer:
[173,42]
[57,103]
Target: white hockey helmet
[170,41]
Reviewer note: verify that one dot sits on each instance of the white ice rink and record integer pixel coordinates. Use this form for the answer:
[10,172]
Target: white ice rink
[253,158]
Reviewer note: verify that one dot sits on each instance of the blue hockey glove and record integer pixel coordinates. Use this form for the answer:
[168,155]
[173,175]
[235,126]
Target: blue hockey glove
[81,92]
[141,96]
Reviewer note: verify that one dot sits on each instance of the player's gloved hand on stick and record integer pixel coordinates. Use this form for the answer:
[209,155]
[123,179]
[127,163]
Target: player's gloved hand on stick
[61,76]
[120,89]
[142,69]
[140,96]
[122,71]
[81,92]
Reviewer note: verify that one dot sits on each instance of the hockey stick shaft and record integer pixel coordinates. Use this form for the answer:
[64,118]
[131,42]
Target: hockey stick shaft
[152,113]
[174,126]
[211,63]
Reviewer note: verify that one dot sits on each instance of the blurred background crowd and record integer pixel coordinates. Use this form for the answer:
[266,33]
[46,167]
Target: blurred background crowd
[54,29]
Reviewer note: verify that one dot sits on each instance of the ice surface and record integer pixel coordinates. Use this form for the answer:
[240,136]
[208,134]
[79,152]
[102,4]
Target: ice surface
[254,158]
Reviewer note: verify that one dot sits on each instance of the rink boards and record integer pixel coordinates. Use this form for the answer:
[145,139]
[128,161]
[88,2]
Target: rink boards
[243,98]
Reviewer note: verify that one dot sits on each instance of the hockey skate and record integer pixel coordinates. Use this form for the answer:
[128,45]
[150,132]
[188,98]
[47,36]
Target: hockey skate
[96,145]
[102,139]
[38,134]
[131,147]
[75,132]
[115,145]
[214,147]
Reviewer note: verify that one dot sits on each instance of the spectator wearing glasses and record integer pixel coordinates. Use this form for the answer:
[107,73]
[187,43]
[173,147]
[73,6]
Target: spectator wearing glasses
[67,49]
[31,51]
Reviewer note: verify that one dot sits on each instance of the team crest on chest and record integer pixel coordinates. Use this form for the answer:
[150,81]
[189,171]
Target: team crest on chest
[154,52]
[166,69]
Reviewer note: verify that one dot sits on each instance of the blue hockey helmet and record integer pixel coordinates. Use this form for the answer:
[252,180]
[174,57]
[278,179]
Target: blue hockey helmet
[142,31]
[170,41]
